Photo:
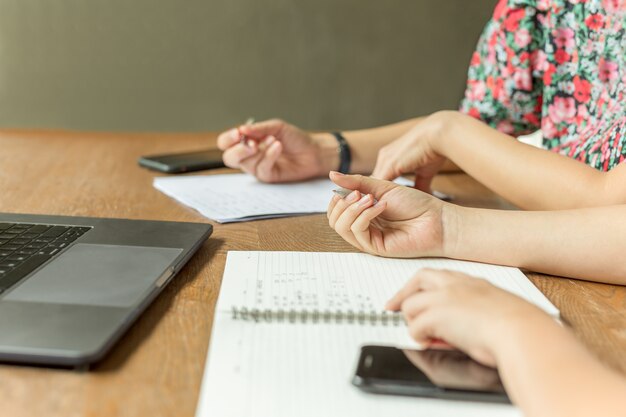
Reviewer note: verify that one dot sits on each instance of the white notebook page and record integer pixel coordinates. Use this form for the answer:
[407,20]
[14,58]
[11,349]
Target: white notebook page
[281,369]
[286,370]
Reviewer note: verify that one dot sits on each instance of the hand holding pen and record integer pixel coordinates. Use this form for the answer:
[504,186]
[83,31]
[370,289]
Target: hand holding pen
[275,151]
[386,219]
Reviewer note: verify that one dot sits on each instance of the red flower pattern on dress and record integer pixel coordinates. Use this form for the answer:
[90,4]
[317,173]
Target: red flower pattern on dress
[558,66]
[594,21]
[561,57]
[582,92]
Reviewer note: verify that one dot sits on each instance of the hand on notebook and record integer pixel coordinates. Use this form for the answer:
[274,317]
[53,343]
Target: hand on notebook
[468,313]
[413,153]
[275,151]
[402,223]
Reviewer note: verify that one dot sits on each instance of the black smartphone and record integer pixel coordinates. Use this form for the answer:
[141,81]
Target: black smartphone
[183,162]
[445,374]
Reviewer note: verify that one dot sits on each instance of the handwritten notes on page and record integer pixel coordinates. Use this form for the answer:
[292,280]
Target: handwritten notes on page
[344,281]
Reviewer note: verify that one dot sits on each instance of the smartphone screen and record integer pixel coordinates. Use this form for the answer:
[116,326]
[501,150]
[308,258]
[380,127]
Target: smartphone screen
[184,162]
[434,373]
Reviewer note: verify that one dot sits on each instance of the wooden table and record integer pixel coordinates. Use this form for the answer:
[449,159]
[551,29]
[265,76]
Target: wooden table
[156,368]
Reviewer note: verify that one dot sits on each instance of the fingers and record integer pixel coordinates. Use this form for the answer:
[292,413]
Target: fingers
[416,304]
[425,279]
[361,228]
[423,328]
[331,205]
[255,163]
[422,183]
[381,173]
[343,225]
[364,184]
[353,214]
[262,129]
[235,156]
[228,139]
[270,156]
[420,309]
[341,205]
[411,287]
[424,177]
[383,170]
[256,131]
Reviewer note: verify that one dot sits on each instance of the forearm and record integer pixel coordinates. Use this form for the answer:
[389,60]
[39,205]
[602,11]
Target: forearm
[529,177]
[583,243]
[548,373]
[365,144]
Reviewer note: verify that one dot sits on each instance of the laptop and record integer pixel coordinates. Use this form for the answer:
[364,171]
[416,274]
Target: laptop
[70,286]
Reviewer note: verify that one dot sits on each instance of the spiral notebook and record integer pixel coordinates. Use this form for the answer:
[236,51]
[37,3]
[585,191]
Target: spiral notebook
[288,327]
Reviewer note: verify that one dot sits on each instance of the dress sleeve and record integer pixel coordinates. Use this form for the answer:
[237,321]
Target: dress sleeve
[504,86]
[603,147]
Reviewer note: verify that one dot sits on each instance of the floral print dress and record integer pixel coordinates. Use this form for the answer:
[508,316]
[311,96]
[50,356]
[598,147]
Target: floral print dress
[558,66]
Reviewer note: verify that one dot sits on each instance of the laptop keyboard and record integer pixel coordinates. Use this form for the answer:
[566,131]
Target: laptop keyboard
[24,247]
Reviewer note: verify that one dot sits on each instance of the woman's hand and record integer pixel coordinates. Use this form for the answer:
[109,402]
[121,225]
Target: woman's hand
[453,369]
[386,219]
[276,151]
[419,152]
[468,313]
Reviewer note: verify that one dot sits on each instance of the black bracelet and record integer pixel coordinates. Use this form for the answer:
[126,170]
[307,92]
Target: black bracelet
[345,157]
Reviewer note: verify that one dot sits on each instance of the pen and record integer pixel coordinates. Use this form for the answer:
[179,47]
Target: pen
[343,193]
[243,139]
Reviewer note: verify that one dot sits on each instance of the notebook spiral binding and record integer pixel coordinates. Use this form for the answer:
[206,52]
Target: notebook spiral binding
[384,318]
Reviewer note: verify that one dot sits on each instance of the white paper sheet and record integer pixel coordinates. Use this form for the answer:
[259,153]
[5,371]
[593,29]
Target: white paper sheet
[240,197]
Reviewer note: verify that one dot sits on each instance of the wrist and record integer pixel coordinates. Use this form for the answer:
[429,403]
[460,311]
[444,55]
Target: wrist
[451,223]
[442,123]
[345,156]
[511,333]
[327,149]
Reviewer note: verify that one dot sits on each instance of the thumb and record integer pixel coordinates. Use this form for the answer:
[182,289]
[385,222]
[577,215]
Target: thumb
[366,185]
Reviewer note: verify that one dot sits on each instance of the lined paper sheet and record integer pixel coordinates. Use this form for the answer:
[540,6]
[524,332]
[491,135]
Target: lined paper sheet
[240,197]
[282,369]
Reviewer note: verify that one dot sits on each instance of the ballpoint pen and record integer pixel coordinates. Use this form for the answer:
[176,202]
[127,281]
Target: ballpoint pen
[243,139]
[343,193]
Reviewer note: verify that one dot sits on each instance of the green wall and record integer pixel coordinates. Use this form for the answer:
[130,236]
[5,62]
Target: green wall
[191,65]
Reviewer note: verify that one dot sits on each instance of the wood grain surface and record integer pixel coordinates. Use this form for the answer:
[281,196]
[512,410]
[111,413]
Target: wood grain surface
[156,368]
